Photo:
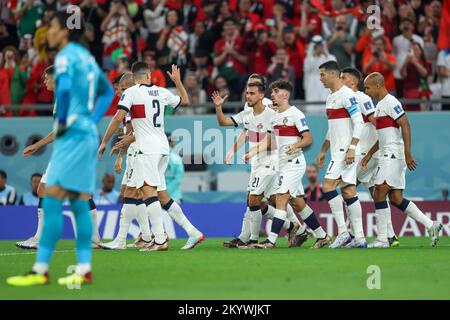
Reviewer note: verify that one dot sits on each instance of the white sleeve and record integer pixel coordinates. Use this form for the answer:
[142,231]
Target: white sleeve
[352,107]
[171,100]
[126,100]
[395,110]
[238,119]
[301,123]
[367,108]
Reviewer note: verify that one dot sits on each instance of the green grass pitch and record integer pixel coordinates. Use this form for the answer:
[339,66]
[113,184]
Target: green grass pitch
[412,271]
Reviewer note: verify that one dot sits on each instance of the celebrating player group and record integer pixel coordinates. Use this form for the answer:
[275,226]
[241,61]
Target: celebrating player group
[368,144]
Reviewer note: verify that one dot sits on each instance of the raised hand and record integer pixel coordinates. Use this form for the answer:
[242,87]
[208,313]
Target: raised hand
[175,75]
[28,151]
[217,99]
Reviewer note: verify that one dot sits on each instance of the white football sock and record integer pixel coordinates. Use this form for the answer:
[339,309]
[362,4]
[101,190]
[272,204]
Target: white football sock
[390,228]
[290,215]
[245,231]
[177,215]
[255,224]
[337,208]
[381,222]
[415,213]
[127,215]
[355,214]
[40,267]
[305,214]
[270,212]
[83,268]
[155,213]
[95,233]
[280,214]
[40,222]
[142,219]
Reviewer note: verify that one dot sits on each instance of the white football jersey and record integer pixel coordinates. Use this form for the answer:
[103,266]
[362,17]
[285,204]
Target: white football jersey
[340,107]
[266,102]
[388,110]
[257,128]
[288,127]
[369,132]
[146,104]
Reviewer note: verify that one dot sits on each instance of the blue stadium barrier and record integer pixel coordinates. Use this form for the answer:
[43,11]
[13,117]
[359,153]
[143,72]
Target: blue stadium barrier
[430,136]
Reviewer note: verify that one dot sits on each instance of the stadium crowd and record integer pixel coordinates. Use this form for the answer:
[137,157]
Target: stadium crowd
[218,44]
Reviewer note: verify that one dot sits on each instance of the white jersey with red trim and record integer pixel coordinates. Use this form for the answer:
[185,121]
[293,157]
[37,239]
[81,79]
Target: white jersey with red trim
[146,104]
[288,126]
[369,132]
[390,141]
[266,102]
[257,127]
[341,106]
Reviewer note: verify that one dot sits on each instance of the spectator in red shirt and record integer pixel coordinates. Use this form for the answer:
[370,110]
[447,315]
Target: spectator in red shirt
[37,92]
[380,61]
[414,72]
[295,48]
[229,56]
[246,18]
[13,79]
[158,78]
[260,49]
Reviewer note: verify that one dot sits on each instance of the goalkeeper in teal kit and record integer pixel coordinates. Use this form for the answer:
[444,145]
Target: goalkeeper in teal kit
[83,95]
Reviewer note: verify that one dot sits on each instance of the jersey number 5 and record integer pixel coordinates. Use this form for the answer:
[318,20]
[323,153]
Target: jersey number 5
[156,106]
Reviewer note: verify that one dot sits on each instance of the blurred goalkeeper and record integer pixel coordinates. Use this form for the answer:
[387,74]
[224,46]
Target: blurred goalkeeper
[80,84]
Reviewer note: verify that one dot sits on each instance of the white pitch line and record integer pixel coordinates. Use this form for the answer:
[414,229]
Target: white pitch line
[32,252]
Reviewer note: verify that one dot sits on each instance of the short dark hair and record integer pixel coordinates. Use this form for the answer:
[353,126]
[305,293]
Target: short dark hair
[3,174]
[330,66]
[63,18]
[259,77]
[50,70]
[36,174]
[354,72]
[139,67]
[282,84]
[230,19]
[261,87]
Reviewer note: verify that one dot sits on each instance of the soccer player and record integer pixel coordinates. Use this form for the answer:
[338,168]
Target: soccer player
[79,83]
[292,134]
[345,124]
[133,206]
[32,242]
[244,236]
[256,118]
[352,78]
[146,104]
[394,145]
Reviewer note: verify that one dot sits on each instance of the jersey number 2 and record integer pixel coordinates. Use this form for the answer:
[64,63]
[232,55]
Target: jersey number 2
[156,106]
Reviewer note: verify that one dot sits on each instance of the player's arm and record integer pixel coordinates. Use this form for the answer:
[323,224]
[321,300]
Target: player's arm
[372,119]
[112,127]
[218,102]
[303,142]
[63,86]
[369,154]
[305,136]
[175,76]
[105,93]
[264,145]
[323,150]
[357,120]
[118,162]
[403,122]
[236,146]
[29,150]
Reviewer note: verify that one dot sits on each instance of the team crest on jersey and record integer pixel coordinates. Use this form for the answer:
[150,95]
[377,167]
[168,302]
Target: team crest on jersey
[285,120]
[260,126]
